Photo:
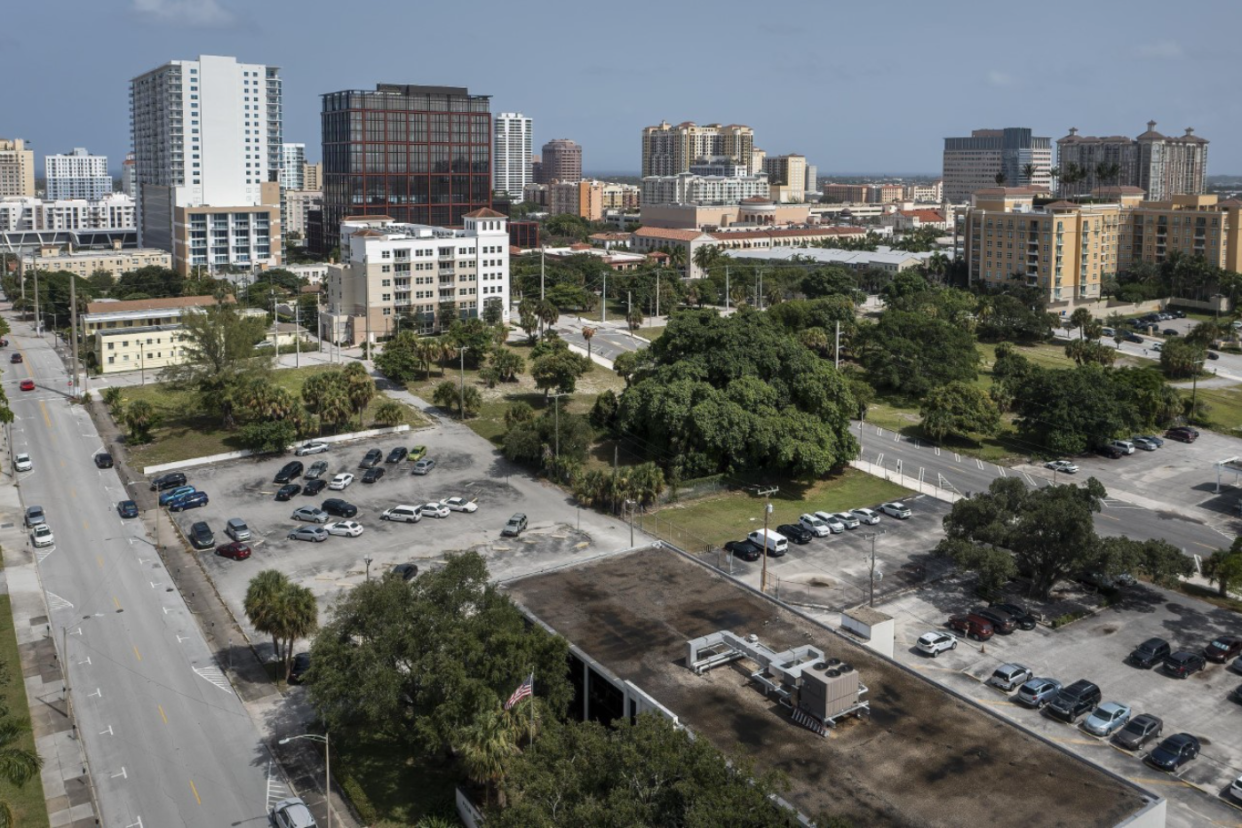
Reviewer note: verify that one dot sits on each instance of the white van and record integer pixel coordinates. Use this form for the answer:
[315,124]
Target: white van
[773,542]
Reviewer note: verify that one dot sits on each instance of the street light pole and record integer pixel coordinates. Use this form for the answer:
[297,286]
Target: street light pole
[462,390]
[327,754]
[368,560]
[763,580]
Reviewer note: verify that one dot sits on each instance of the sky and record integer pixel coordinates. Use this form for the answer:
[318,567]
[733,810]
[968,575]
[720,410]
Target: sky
[856,87]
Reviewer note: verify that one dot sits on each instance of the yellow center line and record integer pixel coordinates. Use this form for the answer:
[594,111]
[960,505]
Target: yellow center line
[162,716]
[1110,517]
[73,493]
[196,796]
[46,418]
[100,559]
[118,603]
[86,525]
[136,653]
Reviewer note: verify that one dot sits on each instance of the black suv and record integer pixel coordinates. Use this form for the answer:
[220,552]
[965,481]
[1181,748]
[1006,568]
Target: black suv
[1002,621]
[168,481]
[290,471]
[372,457]
[339,508]
[747,549]
[1020,615]
[1150,653]
[1074,701]
[797,534]
[1183,664]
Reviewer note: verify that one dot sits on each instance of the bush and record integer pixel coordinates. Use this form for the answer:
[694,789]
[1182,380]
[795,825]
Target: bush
[271,437]
[389,413]
[112,396]
[359,799]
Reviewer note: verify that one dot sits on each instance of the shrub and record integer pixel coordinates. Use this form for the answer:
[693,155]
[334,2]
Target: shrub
[271,437]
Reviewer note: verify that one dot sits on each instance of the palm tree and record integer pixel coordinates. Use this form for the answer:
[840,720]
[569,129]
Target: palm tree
[816,339]
[1000,179]
[297,617]
[587,333]
[706,256]
[1055,175]
[692,293]
[140,419]
[261,603]
[17,765]
[739,295]
[1028,172]
[487,746]
[548,314]
[775,294]
[634,319]
[359,388]
[334,407]
[677,256]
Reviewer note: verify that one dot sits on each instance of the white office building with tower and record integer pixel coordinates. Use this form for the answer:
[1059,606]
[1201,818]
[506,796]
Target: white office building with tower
[292,167]
[511,154]
[208,151]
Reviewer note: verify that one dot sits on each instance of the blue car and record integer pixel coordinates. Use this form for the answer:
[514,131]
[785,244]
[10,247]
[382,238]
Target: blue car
[190,501]
[172,494]
[127,509]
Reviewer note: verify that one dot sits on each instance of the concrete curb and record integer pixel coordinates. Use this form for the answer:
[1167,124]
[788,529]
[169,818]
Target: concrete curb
[238,455]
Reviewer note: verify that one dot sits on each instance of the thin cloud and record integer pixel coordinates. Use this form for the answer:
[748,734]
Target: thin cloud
[995,77]
[1167,49]
[189,14]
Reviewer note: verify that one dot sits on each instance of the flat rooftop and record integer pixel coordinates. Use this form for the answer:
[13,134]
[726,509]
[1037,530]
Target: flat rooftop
[924,757]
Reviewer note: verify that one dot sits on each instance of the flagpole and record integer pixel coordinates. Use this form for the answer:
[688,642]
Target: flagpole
[532,707]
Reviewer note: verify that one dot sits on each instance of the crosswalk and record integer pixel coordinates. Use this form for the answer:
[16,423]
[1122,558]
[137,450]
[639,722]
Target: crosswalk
[216,676]
[56,603]
[277,789]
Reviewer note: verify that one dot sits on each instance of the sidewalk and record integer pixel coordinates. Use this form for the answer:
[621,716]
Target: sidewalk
[67,786]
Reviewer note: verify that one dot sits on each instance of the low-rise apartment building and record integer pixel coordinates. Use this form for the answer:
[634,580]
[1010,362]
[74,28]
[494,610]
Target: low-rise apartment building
[113,212]
[138,335]
[394,274]
[117,261]
[689,188]
[298,204]
[655,239]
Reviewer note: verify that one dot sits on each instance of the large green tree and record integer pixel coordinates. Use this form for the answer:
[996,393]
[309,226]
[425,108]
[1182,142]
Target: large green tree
[959,408]
[1224,567]
[1181,358]
[913,352]
[647,773]
[420,661]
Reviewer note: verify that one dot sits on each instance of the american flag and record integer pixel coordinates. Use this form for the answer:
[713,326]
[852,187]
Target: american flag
[524,689]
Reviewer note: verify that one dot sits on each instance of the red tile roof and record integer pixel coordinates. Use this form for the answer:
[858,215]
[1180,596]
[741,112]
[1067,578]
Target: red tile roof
[665,233]
[923,215]
[790,233]
[484,212]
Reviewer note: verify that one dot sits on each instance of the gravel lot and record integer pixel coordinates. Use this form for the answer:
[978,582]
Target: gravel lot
[466,466]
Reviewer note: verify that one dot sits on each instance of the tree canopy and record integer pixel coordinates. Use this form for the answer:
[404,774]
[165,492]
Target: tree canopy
[738,392]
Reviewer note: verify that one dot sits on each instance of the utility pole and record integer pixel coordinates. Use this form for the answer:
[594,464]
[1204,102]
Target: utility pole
[657,294]
[556,407]
[871,600]
[73,332]
[38,324]
[603,306]
[541,273]
[462,392]
[616,467]
[726,287]
[836,349]
[763,579]
[297,333]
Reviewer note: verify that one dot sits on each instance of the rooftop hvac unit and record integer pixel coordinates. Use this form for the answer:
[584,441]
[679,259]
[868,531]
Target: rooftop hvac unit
[828,690]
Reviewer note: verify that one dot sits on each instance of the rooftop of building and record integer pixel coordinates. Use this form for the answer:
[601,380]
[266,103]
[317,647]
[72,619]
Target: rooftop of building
[789,232]
[671,235]
[484,212]
[923,215]
[610,236]
[923,757]
[831,255]
[166,303]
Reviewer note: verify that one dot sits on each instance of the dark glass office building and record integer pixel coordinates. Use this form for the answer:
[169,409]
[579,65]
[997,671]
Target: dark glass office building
[418,154]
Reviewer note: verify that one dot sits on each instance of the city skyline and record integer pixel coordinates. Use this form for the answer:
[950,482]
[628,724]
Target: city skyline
[910,99]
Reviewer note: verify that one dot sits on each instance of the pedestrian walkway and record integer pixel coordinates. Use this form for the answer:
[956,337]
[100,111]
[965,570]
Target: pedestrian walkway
[65,777]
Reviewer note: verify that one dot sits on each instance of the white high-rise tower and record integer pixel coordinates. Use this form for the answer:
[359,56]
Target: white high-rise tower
[511,169]
[207,144]
[77,175]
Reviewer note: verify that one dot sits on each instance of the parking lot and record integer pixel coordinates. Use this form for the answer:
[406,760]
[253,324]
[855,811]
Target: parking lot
[1095,648]
[466,466]
[835,571]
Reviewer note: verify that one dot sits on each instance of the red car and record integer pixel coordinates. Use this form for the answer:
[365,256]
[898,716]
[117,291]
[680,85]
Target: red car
[1222,649]
[236,550]
[972,626]
[27,385]
[1185,434]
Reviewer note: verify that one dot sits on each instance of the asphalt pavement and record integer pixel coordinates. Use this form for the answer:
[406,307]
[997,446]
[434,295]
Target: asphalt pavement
[962,474]
[168,740]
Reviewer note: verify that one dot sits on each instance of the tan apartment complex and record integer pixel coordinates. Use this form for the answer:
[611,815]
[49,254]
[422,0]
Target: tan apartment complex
[116,262]
[312,177]
[421,276]
[1160,165]
[669,149]
[141,335]
[17,177]
[1068,249]
[786,178]
[240,236]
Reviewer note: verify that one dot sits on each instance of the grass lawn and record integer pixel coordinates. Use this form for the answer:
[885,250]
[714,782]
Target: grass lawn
[650,334]
[29,807]
[400,790]
[714,520]
[1224,407]
[185,431]
[616,310]
[490,422]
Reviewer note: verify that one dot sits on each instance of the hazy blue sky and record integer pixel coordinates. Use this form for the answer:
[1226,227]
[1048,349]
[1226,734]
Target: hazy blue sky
[863,86]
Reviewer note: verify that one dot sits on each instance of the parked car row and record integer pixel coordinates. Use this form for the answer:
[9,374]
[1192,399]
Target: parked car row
[811,525]
[1185,662]
[1003,617]
[370,462]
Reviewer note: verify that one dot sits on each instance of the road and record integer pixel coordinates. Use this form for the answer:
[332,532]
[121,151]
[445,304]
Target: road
[961,474]
[168,740]
[609,341]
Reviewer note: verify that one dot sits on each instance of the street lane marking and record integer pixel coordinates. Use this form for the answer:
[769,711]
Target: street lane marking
[121,775]
[107,732]
[86,525]
[136,653]
[1110,517]
[957,457]
[55,602]
[118,603]
[162,716]
[73,493]
[979,463]
[47,419]
[197,798]
[99,558]
[216,676]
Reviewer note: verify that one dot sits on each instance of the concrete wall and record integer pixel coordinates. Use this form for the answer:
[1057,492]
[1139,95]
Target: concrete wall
[237,455]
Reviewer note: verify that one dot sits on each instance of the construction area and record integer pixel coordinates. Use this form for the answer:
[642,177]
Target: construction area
[883,746]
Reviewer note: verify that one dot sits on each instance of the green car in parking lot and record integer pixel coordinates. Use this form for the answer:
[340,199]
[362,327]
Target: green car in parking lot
[417,453]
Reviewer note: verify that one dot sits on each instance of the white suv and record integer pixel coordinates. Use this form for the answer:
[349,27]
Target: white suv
[814,525]
[834,524]
[935,643]
[898,510]
[866,516]
[1124,445]
[22,462]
